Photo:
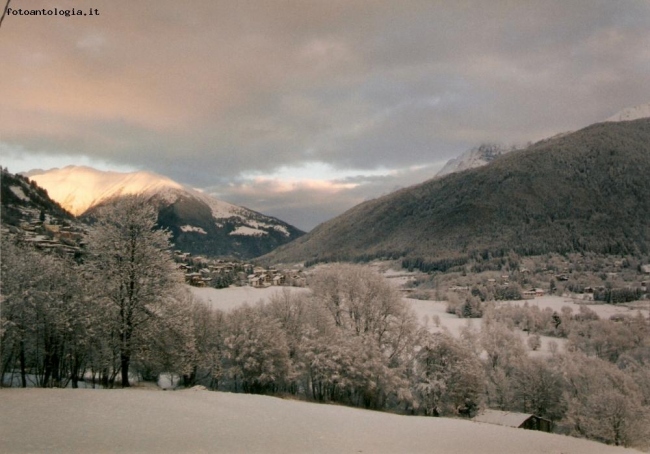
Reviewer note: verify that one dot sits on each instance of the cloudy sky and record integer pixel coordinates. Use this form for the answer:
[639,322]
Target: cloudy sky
[302,109]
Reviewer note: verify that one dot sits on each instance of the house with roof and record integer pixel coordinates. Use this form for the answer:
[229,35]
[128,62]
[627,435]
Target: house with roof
[513,419]
[532,293]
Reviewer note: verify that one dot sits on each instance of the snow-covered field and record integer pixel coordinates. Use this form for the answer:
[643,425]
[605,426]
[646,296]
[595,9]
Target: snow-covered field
[191,421]
[232,297]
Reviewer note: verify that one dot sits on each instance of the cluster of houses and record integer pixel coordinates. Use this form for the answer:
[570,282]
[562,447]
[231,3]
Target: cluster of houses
[204,272]
[266,277]
[503,281]
[48,236]
[201,271]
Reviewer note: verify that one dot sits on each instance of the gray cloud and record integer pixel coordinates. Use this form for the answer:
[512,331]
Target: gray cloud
[206,91]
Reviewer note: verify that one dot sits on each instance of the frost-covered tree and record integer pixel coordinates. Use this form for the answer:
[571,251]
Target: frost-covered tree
[363,357]
[207,332]
[448,377]
[504,351]
[361,302]
[537,386]
[604,403]
[46,319]
[256,353]
[134,274]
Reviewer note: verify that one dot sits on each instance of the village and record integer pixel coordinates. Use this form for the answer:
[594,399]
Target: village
[48,234]
[219,273]
[53,235]
[588,278]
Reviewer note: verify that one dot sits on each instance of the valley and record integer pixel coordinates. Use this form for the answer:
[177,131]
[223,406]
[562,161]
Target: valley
[516,283]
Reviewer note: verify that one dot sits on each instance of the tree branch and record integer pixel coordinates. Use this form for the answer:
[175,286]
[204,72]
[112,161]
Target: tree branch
[4,13]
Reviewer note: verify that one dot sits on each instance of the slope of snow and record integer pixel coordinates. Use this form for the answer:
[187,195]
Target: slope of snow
[191,228]
[248,231]
[631,113]
[140,420]
[78,188]
[472,158]
[18,192]
[220,209]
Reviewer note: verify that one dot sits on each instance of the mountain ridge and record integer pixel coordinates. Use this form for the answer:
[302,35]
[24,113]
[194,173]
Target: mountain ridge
[583,191]
[488,152]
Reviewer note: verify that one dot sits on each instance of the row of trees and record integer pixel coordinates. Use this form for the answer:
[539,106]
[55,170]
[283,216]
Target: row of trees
[62,321]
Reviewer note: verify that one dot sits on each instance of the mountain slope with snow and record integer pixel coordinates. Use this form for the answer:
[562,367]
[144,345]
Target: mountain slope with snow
[199,223]
[79,188]
[472,158]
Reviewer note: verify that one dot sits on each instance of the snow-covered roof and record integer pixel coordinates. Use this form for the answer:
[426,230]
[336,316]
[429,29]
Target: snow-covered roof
[502,418]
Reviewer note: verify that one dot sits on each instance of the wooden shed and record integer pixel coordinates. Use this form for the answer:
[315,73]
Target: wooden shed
[512,419]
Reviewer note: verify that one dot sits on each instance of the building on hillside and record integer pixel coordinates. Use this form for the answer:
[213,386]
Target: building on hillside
[516,420]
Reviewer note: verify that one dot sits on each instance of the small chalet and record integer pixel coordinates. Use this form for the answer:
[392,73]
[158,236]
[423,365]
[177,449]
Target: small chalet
[255,281]
[196,280]
[516,420]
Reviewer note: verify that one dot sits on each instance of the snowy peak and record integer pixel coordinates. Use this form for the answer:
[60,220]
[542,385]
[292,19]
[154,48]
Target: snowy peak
[199,223]
[631,113]
[472,158]
[79,188]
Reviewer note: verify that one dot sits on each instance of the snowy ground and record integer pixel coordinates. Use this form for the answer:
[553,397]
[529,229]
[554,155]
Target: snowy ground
[232,297]
[137,420]
[427,310]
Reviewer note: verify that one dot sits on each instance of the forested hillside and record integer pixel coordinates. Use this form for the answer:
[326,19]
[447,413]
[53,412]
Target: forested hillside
[23,200]
[585,191]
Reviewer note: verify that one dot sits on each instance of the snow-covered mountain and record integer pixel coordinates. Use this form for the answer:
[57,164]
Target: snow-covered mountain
[199,223]
[474,157]
[631,113]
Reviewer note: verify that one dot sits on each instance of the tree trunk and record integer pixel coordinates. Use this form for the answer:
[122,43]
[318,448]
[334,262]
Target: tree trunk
[125,360]
[23,373]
